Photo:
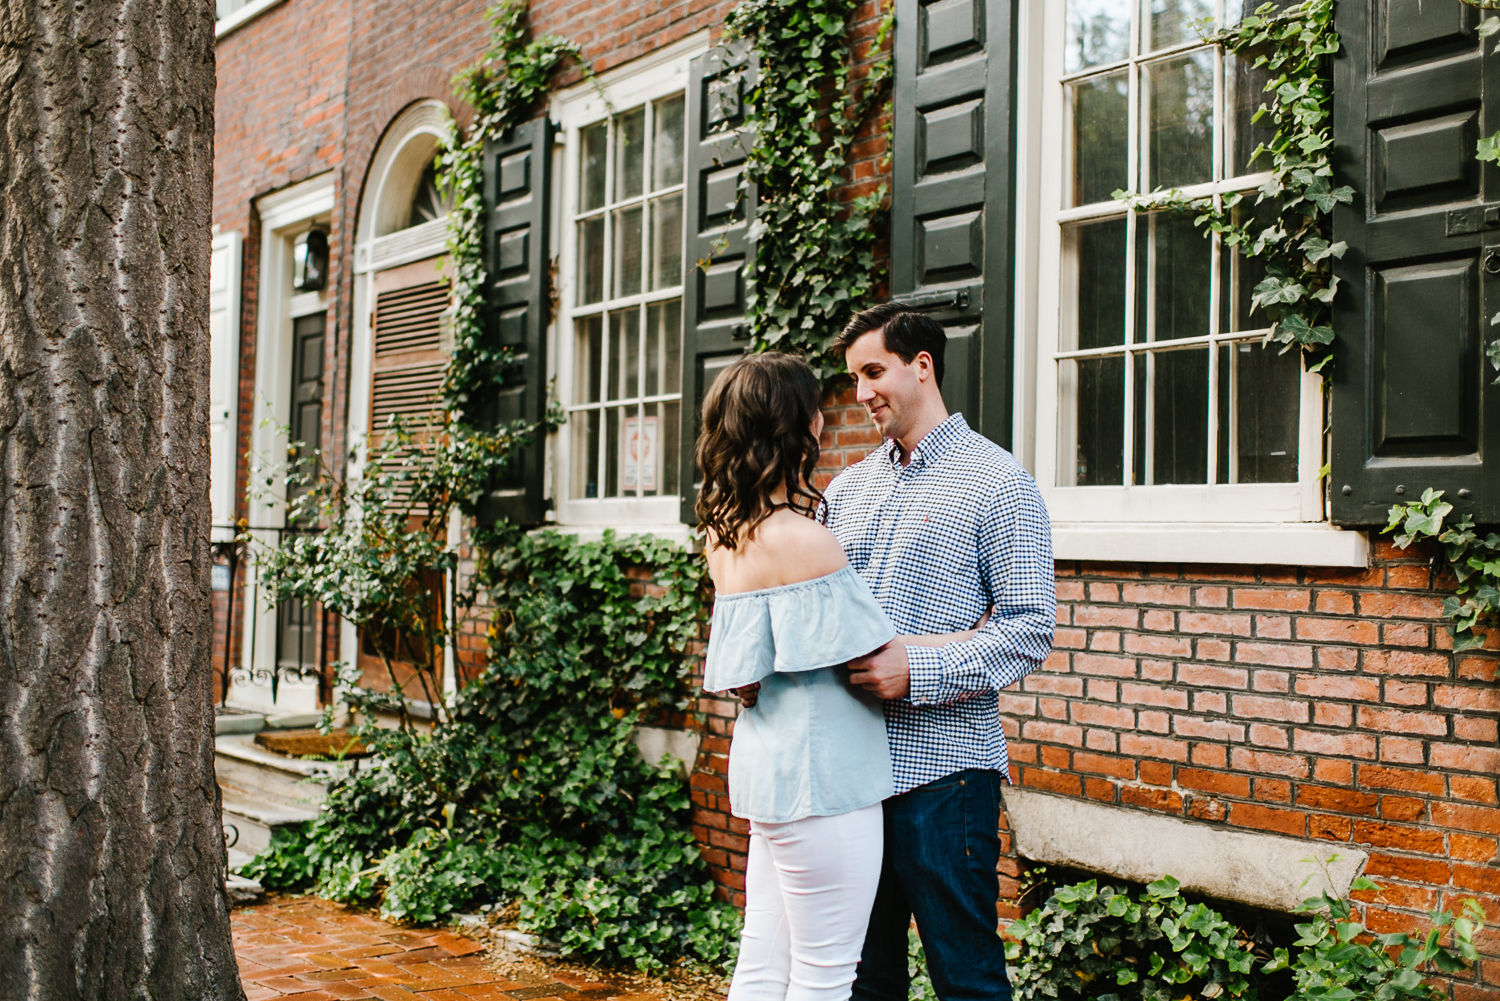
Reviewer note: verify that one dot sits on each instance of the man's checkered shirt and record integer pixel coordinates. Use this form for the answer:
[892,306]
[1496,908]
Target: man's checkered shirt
[961,528]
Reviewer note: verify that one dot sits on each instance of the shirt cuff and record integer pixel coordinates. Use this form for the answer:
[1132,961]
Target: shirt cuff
[925,668]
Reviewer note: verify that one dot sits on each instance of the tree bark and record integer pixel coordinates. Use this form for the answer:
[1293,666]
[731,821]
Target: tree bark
[111,851]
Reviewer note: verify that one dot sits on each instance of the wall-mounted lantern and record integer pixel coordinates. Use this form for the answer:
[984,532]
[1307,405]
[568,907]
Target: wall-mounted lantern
[310,261]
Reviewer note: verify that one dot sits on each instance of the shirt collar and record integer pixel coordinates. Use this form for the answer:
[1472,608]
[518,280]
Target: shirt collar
[930,448]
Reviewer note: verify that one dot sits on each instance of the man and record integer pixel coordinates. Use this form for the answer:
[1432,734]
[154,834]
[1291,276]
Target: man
[944,525]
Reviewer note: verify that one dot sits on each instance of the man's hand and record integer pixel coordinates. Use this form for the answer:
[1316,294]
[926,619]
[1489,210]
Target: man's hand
[749,695]
[886,672]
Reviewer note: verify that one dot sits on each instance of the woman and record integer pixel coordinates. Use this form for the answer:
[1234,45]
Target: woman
[809,764]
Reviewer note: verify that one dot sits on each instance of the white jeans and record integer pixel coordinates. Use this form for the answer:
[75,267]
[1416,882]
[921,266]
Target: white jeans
[809,887]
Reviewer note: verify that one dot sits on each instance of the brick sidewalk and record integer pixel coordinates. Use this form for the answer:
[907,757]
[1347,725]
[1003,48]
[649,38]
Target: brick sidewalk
[313,950]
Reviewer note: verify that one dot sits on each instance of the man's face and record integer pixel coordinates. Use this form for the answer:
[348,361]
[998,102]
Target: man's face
[890,388]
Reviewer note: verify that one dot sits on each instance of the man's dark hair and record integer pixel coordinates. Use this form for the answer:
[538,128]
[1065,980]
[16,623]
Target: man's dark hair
[906,333]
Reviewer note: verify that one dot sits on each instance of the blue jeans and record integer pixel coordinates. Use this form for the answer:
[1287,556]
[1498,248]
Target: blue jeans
[941,849]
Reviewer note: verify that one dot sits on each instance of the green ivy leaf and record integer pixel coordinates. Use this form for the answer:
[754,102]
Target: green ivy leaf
[1488,148]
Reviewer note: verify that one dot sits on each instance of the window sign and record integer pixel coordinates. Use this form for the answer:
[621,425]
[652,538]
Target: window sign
[641,456]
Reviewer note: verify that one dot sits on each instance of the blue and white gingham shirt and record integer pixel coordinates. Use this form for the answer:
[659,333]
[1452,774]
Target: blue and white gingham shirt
[961,528]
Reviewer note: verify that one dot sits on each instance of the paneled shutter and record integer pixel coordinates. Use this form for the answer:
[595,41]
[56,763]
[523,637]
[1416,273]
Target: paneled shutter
[409,355]
[953,192]
[517,203]
[1412,405]
[720,205]
[223,380]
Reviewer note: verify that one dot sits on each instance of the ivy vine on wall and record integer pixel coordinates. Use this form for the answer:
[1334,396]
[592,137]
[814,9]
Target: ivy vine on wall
[814,255]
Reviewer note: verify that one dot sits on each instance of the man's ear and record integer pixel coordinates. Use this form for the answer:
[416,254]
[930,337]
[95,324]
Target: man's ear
[925,369]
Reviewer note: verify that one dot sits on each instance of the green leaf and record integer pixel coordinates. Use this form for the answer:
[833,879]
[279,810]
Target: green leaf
[1488,149]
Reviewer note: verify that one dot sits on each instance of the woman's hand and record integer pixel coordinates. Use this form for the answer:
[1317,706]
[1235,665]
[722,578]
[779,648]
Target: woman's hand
[749,695]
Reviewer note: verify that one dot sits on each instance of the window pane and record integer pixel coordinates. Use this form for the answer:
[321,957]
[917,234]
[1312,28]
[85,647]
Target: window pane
[624,354]
[613,431]
[1101,137]
[666,242]
[1240,274]
[1092,417]
[595,145]
[591,260]
[1098,33]
[585,454]
[669,143]
[630,153]
[663,347]
[1259,407]
[587,358]
[667,463]
[1171,22]
[627,260]
[1244,86]
[1171,414]
[1094,285]
[1177,98]
[1172,277]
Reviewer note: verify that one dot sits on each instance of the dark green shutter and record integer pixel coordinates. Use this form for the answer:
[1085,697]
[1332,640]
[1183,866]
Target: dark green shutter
[953,192]
[1411,402]
[720,205]
[517,202]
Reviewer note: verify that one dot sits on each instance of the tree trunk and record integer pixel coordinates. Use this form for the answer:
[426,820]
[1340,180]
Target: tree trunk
[111,851]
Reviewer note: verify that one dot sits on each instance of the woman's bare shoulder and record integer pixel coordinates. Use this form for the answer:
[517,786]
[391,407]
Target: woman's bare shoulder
[787,549]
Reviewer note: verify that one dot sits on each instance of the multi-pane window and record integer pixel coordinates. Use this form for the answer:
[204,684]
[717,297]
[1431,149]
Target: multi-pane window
[1163,374]
[627,317]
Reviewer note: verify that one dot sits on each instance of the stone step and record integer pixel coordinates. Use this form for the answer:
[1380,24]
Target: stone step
[250,821]
[247,771]
[242,889]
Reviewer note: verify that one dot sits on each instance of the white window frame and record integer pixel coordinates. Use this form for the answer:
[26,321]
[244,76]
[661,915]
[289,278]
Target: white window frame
[283,215]
[658,75]
[1259,523]
[243,15]
[224,382]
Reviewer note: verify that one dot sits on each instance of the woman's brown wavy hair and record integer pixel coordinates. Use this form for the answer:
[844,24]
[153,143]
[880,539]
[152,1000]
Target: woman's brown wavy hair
[757,436]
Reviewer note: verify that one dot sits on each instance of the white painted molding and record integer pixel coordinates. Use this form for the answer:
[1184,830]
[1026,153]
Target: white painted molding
[296,203]
[243,16]
[1249,867]
[677,534]
[1310,544]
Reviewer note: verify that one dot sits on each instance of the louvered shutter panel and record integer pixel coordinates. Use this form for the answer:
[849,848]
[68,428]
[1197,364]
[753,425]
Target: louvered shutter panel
[517,202]
[953,192]
[720,206]
[223,380]
[409,354]
[1411,402]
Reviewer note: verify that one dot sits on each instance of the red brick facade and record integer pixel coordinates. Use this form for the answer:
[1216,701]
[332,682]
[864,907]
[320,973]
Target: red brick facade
[1321,704]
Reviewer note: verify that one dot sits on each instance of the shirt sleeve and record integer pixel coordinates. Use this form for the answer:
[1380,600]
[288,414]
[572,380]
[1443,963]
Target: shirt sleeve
[1015,564]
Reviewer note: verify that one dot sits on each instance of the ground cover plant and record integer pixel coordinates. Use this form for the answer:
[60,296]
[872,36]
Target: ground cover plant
[1118,943]
[532,792]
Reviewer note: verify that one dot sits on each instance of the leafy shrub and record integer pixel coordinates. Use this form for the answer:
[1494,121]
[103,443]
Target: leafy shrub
[1109,944]
[533,791]
[1104,943]
[1338,960]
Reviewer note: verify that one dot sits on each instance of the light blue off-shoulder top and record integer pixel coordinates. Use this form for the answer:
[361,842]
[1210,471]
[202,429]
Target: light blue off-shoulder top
[813,745]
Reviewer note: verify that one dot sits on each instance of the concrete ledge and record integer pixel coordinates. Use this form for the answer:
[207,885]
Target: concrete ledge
[1265,870]
[1307,545]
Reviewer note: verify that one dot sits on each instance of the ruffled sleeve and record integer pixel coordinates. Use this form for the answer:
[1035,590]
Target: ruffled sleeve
[813,624]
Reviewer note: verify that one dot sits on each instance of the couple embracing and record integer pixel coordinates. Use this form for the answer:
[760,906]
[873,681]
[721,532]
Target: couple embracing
[867,630]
